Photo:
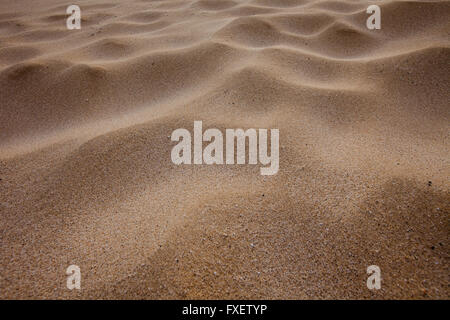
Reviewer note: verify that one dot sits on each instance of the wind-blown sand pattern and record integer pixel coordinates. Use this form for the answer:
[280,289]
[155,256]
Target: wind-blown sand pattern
[86,176]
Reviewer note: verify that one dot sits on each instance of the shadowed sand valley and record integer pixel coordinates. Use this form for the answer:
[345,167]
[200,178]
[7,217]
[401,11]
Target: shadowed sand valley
[86,176]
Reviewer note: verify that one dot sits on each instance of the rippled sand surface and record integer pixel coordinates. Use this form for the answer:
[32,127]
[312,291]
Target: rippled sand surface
[86,176]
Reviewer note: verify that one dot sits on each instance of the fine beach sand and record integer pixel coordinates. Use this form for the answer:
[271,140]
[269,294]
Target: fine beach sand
[86,176]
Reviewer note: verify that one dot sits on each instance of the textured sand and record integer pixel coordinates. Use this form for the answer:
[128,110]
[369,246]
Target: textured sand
[85,169]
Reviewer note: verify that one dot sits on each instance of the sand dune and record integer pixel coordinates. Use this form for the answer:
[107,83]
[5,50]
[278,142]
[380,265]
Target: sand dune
[86,176]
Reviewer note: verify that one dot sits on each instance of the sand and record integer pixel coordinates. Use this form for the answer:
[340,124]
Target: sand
[86,176]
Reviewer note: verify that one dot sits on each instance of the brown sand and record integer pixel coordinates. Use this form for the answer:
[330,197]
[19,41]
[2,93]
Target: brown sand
[85,169]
